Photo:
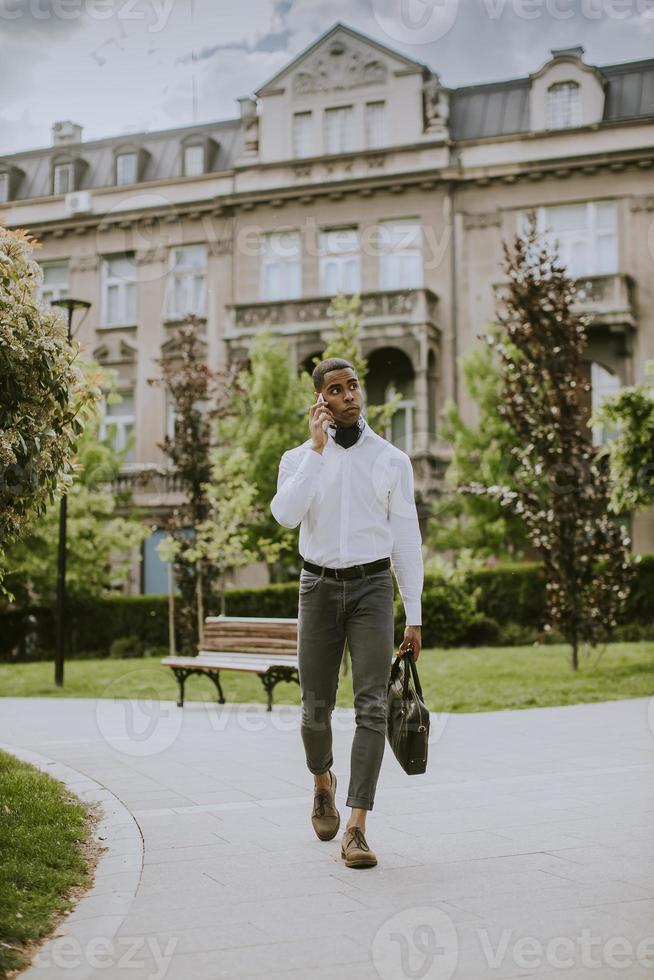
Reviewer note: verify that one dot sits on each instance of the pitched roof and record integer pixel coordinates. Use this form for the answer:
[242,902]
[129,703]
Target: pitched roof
[502,108]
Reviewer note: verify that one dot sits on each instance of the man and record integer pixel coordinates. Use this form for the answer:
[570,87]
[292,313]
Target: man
[351,492]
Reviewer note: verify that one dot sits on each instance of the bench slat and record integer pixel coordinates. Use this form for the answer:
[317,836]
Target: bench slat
[242,643]
[250,620]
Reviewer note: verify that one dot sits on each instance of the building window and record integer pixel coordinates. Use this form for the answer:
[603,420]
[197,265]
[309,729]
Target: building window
[585,234]
[55,281]
[64,178]
[400,254]
[563,105]
[603,384]
[118,424]
[302,134]
[187,281]
[375,124]
[340,263]
[400,428]
[281,265]
[339,129]
[193,160]
[119,290]
[126,168]
[4,187]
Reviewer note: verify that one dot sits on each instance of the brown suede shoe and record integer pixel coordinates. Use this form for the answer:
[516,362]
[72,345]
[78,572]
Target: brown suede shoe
[325,817]
[355,850]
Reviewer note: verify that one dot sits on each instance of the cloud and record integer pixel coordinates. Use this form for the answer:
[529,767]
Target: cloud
[139,67]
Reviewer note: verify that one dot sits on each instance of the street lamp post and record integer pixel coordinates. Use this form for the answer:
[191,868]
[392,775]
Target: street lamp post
[70,305]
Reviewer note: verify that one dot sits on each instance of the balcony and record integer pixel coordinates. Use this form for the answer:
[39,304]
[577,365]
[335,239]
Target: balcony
[152,487]
[295,316]
[609,301]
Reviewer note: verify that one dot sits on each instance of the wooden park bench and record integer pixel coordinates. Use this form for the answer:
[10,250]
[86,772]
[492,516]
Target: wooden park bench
[267,647]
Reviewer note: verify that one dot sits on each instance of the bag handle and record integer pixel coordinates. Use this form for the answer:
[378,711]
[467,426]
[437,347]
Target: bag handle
[410,670]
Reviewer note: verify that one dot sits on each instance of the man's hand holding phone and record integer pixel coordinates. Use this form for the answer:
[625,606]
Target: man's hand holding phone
[320,416]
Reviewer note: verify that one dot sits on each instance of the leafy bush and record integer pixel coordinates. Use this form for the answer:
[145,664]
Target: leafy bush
[126,646]
[497,606]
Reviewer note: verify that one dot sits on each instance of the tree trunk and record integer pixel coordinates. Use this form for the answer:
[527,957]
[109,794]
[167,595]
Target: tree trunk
[222,595]
[171,610]
[200,604]
[574,660]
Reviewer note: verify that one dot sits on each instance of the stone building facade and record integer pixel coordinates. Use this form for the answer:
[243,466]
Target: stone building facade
[357,169]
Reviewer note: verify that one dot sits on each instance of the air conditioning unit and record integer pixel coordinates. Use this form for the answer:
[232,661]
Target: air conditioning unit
[77,202]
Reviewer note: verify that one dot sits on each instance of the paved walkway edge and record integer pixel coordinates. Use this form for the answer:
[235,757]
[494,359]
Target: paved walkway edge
[103,908]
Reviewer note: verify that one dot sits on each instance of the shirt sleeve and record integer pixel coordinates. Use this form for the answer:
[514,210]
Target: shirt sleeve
[297,482]
[406,554]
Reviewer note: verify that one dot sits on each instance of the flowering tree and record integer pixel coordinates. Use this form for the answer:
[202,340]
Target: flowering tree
[45,396]
[199,396]
[562,488]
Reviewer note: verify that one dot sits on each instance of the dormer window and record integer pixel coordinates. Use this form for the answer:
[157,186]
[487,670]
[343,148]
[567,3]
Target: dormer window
[126,168]
[563,105]
[339,129]
[194,160]
[63,178]
[4,187]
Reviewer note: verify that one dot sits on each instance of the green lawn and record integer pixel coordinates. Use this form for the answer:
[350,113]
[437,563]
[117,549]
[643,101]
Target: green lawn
[42,833]
[481,679]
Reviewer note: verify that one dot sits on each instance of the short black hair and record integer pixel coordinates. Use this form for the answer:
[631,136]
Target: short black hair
[331,364]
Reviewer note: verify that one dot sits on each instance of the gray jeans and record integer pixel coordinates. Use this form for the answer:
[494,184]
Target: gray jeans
[331,611]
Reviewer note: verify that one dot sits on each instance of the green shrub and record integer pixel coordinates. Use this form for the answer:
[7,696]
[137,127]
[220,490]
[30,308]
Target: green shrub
[640,604]
[448,614]
[511,593]
[503,605]
[126,646]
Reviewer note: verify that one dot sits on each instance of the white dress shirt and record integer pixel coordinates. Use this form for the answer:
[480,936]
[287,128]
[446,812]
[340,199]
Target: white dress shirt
[353,506]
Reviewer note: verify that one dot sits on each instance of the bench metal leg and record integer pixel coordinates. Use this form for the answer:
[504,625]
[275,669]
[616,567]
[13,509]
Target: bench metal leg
[181,673]
[275,674]
[216,679]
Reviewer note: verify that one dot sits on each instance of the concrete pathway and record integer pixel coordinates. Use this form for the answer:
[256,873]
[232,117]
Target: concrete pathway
[526,850]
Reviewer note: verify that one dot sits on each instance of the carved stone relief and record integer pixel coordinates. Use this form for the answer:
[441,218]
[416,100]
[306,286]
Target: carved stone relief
[343,65]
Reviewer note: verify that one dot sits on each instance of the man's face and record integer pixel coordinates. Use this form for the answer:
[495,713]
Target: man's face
[342,392]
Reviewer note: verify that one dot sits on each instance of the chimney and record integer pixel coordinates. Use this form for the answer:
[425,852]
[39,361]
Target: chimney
[66,132]
[576,52]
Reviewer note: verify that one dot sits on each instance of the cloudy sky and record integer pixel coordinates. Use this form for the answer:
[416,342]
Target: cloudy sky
[120,66]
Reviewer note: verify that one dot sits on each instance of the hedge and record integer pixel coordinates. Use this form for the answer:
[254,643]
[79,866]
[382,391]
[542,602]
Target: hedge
[505,604]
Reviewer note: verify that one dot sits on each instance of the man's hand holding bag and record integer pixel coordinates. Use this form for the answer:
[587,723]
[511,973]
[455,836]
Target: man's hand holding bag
[407,716]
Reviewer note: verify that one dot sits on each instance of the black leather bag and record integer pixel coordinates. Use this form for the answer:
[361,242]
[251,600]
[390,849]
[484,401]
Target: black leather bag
[407,715]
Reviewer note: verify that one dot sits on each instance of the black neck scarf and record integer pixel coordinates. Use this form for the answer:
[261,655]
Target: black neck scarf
[346,436]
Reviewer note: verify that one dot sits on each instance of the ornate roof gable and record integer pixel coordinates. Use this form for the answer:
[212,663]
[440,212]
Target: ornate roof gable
[340,59]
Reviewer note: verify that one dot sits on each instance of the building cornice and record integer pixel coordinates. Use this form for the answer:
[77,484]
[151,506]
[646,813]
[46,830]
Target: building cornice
[426,179]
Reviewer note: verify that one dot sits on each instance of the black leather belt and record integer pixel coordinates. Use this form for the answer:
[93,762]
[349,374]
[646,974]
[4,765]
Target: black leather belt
[352,571]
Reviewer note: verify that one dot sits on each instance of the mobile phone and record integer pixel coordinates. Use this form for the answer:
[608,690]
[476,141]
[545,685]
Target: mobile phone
[321,401]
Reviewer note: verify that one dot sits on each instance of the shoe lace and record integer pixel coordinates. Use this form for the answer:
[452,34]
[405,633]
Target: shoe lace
[358,838]
[321,798]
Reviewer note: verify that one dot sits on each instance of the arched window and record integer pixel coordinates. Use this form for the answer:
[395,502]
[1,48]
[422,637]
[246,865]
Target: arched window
[399,431]
[563,105]
[390,372]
